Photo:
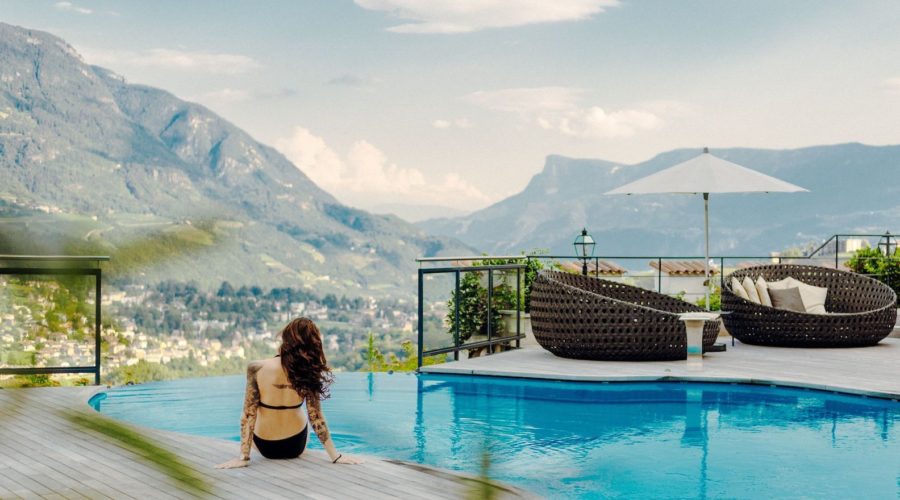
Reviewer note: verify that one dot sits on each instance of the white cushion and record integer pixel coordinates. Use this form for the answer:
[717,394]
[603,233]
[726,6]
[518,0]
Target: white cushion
[750,288]
[738,289]
[813,297]
[782,284]
[762,289]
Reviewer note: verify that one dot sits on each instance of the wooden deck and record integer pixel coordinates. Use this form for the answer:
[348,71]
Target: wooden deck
[42,455]
[870,371]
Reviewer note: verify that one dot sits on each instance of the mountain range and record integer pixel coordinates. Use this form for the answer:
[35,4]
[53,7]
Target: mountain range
[86,156]
[853,188]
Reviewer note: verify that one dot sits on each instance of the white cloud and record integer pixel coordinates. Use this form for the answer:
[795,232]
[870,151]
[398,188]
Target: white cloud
[527,100]
[668,107]
[172,59]
[348,80]
[563,110]
[70,7]
[312,156]
[455,16]
[457,123]
[365,177]
[596,122]
[892,85]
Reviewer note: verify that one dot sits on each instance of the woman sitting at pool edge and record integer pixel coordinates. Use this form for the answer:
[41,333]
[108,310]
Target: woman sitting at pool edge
[277,388]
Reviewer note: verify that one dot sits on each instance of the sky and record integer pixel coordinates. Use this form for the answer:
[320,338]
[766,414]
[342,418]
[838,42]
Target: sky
[456,103]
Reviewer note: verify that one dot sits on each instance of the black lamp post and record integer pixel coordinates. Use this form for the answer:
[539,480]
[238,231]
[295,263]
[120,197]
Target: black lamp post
[584,249]
[885,244]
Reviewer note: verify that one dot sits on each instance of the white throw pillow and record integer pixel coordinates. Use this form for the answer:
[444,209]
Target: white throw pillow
[750,288]
[762,288]
[738,289]
[782,284]
[813,297]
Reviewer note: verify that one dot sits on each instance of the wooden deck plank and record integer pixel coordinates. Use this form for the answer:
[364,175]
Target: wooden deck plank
[5,492]
[95,464]
[8,486]
[42,455]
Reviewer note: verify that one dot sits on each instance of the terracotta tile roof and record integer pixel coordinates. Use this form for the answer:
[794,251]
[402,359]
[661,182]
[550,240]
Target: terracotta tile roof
[683,267]
[606,268]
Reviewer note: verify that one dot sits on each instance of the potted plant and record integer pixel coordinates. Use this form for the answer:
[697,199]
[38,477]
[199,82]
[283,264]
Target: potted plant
[473,312]
[505,305]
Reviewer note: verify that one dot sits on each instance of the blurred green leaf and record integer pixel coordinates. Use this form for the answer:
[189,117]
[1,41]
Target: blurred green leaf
[164,460]
[484,488]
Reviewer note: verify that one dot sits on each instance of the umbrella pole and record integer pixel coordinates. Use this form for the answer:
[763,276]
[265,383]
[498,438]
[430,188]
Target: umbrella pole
[706,245]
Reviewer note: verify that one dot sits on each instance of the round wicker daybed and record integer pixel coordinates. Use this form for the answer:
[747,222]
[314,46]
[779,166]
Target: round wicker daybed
[575,316]
[861,310]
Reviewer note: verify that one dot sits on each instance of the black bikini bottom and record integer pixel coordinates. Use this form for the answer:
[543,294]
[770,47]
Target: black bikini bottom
[289,447]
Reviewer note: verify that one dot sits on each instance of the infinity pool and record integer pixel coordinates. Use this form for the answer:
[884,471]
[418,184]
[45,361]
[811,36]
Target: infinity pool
[581,440]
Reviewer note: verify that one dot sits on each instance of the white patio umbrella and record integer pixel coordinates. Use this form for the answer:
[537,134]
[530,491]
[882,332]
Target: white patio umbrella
[707,174]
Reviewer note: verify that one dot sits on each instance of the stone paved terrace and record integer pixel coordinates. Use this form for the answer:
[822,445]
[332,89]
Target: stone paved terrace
[43,456]
[872,371]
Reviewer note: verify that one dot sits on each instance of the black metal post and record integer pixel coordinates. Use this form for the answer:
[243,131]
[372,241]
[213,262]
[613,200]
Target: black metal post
[490,312]
[421,320]
[456,320]
[721,273]
[837,248]
[584,266]
[97,325]
[519,304]
[659,275]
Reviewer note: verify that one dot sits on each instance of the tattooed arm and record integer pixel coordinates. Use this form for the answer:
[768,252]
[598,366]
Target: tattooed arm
[318,424]
[251,404]
[320,427]
[248,418]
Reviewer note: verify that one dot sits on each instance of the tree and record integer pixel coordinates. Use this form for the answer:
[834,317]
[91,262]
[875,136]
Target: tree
[226,290]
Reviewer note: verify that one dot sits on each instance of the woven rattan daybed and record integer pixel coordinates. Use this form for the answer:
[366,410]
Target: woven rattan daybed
[861,310]
[575,316]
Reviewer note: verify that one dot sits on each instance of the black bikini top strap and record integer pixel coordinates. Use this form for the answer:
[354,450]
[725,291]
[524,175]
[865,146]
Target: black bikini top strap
[280,407]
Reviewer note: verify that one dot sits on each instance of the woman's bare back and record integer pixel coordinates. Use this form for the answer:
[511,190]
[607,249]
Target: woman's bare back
[275,390]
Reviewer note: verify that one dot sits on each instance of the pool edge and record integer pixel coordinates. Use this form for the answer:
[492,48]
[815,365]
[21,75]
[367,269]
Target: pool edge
[717,379]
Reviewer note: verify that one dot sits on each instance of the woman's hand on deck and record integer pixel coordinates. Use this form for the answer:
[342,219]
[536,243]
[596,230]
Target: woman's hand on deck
[234,464]
[348,460]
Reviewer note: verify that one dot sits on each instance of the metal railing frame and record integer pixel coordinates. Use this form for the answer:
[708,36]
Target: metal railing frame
[457,272]
[595,260]
[837,243]
[887,237]
[66,266]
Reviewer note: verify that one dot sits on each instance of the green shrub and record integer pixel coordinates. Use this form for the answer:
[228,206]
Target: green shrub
[472,298]
[473,311]
[715,300]
[533,267]
[376,361]
[872,262]
[39,380]
[20,358]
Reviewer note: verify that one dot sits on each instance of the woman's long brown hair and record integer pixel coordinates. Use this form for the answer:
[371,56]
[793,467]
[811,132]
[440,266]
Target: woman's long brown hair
[303,359]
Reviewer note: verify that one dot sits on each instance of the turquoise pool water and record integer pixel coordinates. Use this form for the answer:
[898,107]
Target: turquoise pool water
[581,440]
